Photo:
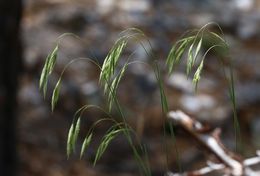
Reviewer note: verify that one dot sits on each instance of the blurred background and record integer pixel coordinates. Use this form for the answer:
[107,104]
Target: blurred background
[33,139]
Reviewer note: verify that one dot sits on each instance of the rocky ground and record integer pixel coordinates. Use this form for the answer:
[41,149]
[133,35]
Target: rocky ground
[42,134]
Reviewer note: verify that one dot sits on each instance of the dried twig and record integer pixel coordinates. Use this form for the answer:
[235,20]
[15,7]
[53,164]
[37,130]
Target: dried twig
[230,164]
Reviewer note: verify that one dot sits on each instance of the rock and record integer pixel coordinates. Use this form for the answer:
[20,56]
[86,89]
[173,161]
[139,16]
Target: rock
[134,5]
[89,88]
[248,26]
[180,82]
[197,103]
[105,7]
[92,92]
[68,18]
[244,5]
[170,23]
[204,107]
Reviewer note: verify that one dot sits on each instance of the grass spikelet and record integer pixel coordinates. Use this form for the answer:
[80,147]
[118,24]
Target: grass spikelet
[177,52]
[111,61]
[76,133]
[218,37]
[197,74]
[197,50]
[70,140]
[53,58]
[107,76]
[190,59]
[106,141]
[47,70]
[44,78]
[85,144]
[114,86]
[55,94]
[192,55]
[73,136]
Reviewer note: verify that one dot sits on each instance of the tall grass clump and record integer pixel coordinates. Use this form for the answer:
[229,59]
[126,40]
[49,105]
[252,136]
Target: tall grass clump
[191,47]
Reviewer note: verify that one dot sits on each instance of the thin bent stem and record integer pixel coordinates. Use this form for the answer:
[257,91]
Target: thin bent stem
[231,91]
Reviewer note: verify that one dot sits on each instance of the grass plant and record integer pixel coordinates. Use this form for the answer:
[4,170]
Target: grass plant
[189,47]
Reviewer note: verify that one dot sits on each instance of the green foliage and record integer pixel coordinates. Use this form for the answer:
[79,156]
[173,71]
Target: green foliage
[111,61]
[55,94]
[114,86]
[197,74]
[177,52]
[47,69]
[107,77]
[72,137]
[76,133]
[70,140]
[192,56]
[191,46]
[111,134]
[85,144]
[164,102]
